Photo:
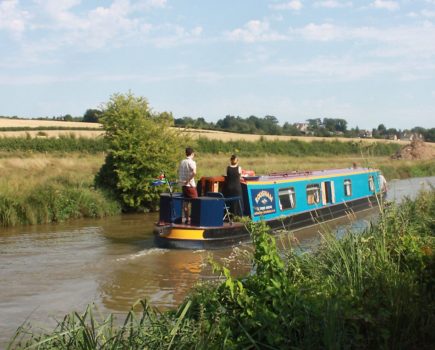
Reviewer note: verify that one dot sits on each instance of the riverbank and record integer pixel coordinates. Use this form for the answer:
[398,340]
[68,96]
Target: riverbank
[49,187]
[43,188]
[366,290]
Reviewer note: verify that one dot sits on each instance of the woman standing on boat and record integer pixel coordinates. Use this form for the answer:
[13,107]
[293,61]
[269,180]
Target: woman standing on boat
[233,188]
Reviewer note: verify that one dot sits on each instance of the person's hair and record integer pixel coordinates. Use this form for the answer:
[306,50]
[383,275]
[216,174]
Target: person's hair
[189,151]
[233,159]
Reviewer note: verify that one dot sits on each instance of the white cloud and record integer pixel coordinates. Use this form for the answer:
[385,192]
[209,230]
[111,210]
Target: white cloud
[319,32]
[157,3]
[428,13]
[170,35]
[255,31]
[12,19]
[149,4]
[405,41]
[386,4]
[63,23]
[294,5]
[331,69]
[332,4]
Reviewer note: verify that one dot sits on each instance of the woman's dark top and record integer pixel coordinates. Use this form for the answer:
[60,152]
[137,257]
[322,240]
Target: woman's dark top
[233,188]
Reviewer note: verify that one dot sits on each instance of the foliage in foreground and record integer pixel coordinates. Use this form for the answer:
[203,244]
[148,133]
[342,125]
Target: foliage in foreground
[370,290]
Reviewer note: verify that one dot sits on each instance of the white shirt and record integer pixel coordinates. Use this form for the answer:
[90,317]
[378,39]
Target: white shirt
[187,171]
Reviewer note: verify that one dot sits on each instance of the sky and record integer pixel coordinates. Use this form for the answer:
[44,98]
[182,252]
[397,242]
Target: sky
[367,61]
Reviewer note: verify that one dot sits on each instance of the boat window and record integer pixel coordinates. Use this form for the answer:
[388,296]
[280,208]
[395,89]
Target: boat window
[371,184]
[287,198]
[347,187]
[313,194]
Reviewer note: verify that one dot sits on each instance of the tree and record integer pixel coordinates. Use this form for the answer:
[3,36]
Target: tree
[141,147]
[382,130]
[92,116]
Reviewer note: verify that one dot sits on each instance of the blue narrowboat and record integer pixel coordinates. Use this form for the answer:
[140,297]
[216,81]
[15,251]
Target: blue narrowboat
[289,200]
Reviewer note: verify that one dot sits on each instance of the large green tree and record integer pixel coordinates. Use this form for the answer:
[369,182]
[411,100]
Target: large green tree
[141,146]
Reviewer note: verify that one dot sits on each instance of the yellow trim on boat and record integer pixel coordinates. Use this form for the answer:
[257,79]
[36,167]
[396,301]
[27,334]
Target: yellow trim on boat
[185,233]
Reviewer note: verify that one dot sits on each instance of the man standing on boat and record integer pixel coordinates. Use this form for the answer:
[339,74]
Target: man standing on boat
[186,175]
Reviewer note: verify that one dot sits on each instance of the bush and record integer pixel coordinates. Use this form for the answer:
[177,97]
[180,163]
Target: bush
[141,147]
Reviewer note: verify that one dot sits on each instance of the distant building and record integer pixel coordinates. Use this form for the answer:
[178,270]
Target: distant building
[302,127]
[411,136]
[365,134]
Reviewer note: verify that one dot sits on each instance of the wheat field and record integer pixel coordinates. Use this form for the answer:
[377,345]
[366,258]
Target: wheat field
[192,133]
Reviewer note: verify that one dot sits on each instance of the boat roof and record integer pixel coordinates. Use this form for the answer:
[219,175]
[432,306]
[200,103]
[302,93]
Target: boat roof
[301,175]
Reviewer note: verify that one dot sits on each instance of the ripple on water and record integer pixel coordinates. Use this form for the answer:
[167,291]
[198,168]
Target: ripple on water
[142,253]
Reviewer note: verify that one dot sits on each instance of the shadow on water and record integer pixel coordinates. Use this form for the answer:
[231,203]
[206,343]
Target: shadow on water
[50,270]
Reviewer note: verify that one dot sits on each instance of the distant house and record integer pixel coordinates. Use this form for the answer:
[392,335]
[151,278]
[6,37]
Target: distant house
[392,137]
[302,127]
[411,136]
[365,134]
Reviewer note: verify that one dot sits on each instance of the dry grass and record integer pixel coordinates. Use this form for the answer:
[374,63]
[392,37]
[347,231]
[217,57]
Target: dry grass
[20,174]
[53,133]
[230,136]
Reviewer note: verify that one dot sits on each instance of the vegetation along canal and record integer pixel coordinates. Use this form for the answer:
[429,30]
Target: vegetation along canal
[49,270]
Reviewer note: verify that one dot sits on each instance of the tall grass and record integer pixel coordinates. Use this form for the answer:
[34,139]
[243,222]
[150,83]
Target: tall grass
[43,189]
[55,201]
[368,290]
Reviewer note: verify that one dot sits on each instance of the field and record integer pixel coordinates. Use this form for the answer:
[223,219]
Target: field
[50,177]
[33,123]
[192,133]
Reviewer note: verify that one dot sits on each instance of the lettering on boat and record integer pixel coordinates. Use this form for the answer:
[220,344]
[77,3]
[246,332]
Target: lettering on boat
[264,201]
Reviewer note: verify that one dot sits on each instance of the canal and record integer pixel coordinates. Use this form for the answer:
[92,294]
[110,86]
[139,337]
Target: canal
[47,271]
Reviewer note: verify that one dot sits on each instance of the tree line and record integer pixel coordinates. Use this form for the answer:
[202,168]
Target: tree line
[326,127]
[269,125]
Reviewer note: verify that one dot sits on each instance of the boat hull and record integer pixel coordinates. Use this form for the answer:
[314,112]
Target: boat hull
[175,236]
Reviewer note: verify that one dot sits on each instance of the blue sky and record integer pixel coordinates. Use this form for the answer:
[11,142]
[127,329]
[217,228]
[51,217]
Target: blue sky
[367,61]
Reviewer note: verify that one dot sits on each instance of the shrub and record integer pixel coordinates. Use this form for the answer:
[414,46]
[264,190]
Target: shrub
[141,147]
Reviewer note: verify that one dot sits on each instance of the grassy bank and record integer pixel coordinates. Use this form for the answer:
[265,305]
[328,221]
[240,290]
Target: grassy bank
[369,290]
[43,189]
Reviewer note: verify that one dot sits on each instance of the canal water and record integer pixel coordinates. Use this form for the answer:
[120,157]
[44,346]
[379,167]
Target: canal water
[47,271]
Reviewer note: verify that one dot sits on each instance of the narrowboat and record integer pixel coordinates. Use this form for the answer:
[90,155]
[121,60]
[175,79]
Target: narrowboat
[289,200]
